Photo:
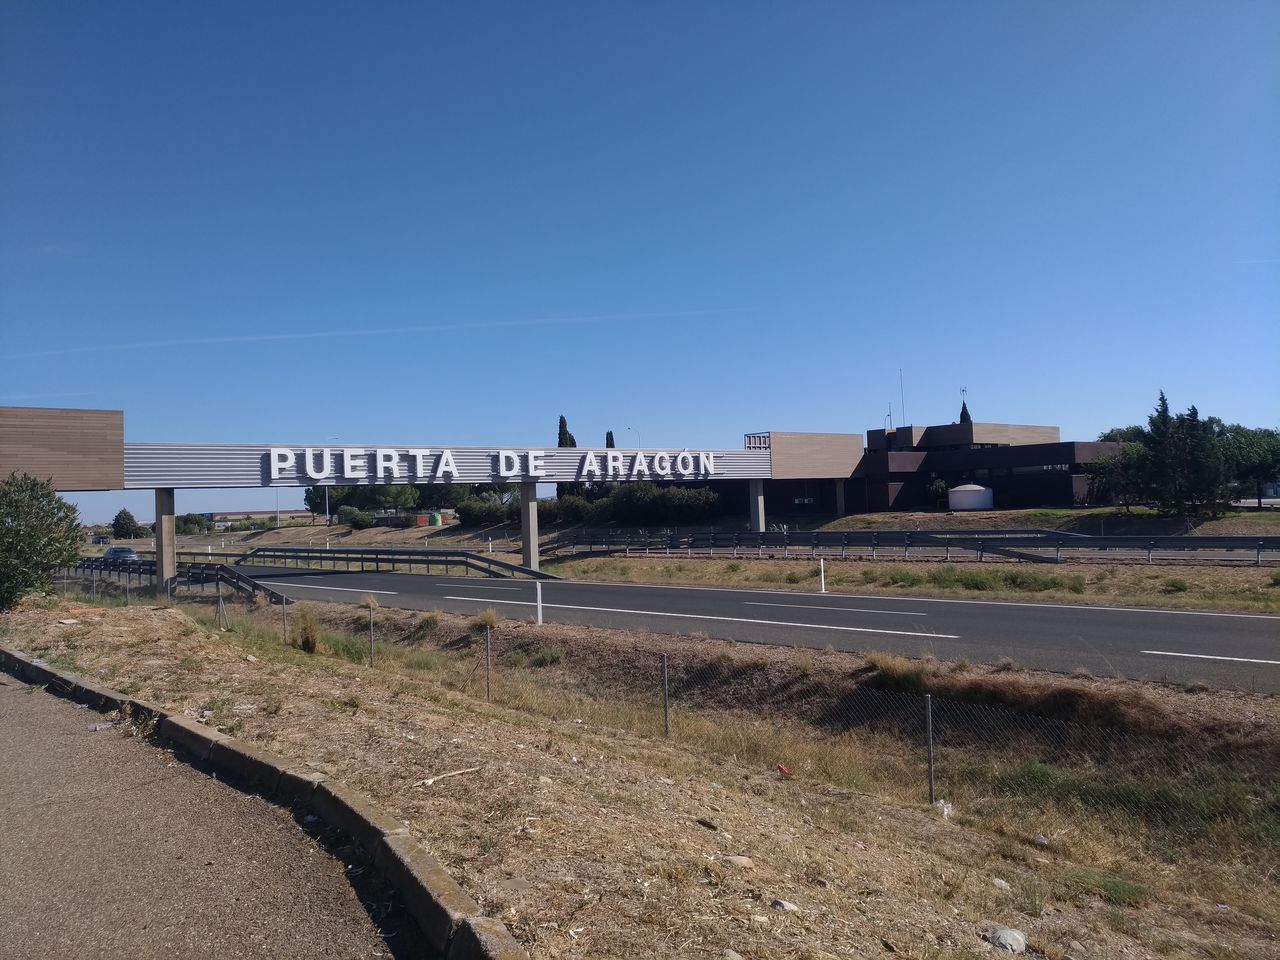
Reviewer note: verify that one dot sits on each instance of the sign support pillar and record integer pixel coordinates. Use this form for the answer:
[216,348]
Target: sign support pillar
[839,497]
[755,494]
[166,545]
[529,524]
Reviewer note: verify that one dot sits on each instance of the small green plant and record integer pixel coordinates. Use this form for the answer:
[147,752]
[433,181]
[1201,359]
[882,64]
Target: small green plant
[1174,585]
[423,660]
[1275,578]
[1029,897]
[904,578]
[545,657]
[793,577]
[733,567]
[342,704]
[1114,890]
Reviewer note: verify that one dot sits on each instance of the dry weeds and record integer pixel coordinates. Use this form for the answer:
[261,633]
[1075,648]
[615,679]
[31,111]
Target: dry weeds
[586,838]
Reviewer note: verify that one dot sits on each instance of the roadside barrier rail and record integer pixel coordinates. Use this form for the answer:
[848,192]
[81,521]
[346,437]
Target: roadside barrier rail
[1037,546]
[375,560]
[192,574]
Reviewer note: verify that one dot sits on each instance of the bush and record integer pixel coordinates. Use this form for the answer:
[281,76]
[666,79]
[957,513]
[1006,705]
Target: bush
[572,508]
[39,532]
[306,633]
[545,657]
[355,518]
[1174,585]
[481,511]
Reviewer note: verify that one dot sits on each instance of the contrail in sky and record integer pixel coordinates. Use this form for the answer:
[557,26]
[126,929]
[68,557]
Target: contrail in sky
[362,332]
[10,397]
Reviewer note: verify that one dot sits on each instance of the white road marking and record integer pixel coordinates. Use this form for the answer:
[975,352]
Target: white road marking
[478,586]
[815,606]
[909,599]
[320,586]
[703,616]
[1207,656]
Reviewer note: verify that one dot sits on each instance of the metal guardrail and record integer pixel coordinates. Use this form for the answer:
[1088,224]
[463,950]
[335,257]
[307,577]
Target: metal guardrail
[1042,546]
[376,560]
[194,574]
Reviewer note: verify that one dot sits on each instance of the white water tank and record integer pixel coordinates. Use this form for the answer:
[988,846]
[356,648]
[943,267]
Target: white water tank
[969,496]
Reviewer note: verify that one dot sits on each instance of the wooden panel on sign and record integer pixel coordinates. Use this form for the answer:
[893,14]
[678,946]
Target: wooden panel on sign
[75,449]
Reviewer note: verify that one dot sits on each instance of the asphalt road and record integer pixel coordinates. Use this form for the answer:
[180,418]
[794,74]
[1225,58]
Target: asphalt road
[1221,649]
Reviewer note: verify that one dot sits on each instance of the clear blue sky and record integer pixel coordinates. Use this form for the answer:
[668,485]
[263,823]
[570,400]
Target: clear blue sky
[449,223]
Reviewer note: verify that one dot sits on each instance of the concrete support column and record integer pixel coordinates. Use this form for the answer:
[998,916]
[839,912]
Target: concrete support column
[839,497]
[529,525]
[755,494]
[166,546]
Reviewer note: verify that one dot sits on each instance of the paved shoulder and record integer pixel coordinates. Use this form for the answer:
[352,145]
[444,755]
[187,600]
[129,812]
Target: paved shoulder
[111,848]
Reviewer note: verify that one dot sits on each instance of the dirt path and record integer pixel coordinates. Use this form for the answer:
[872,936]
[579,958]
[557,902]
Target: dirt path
[111,848]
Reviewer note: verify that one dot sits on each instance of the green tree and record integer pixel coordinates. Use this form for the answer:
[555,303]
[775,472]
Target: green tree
[396,497]
[565,438]
[1253,457]
[190,523]
[39,532]
[314,499]
[126,527]
[608,440]
[964,412]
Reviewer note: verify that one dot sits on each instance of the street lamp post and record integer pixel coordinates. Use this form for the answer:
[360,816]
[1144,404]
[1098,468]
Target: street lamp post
[637,433]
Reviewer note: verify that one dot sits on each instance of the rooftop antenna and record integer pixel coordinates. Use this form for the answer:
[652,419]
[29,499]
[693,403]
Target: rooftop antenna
[902,397]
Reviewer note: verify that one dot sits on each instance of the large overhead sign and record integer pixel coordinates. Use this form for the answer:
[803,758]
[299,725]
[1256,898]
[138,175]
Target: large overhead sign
[192,465]
[356,465]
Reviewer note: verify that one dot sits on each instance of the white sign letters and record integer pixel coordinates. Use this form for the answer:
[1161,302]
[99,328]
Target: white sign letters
[381,465]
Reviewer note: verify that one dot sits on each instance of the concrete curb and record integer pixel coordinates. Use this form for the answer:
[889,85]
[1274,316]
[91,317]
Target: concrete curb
[449,918]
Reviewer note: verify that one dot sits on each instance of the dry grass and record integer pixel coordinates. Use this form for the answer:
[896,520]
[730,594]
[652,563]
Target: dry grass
[583,836]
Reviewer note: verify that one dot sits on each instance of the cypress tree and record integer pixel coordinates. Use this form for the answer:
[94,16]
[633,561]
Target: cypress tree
[566,438]
[608,440]
[964,412]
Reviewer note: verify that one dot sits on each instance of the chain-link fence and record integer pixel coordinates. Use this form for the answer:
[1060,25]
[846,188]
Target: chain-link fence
[1095,757]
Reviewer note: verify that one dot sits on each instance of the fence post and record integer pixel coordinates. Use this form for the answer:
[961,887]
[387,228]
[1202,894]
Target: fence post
[666,700]
[979,550]
[284,619]
[1259,560]
[1151,545]
[822,573]
[537,589]
[928,736]
[371,635]
[488,663]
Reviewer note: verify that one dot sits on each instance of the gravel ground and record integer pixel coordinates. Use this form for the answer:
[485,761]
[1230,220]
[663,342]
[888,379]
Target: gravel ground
[112,848]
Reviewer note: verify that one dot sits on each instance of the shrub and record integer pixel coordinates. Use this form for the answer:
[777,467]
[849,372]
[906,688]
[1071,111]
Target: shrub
[481,511]
[1174,585]
[905,578]
[733,567]
[485,619]
[573,509]
[306,632]
[1275,578]
[545,657]
[793,577]
[39,532]
[355,518]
